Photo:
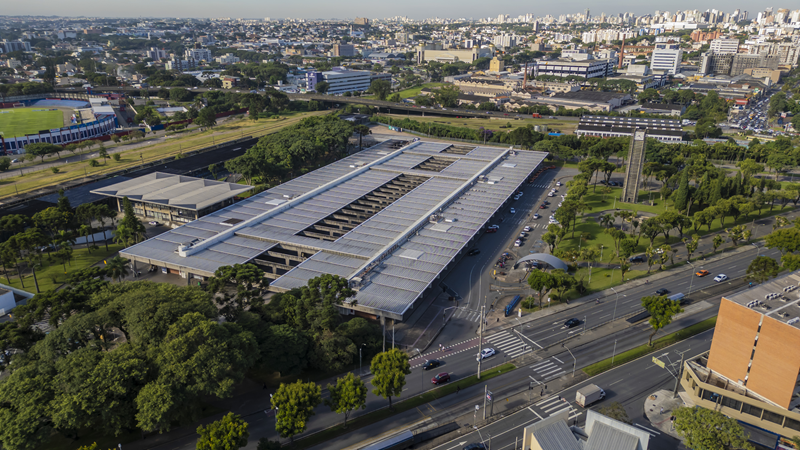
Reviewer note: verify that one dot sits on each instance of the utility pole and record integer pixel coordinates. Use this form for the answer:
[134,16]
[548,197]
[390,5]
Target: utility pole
[680,373]
[480,344]
[485,396]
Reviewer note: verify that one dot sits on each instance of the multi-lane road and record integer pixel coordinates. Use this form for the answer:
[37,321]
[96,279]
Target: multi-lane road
[628,384]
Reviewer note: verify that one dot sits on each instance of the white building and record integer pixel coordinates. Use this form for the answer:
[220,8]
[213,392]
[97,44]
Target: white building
[181,65]
[724,46]
[14,46]
[198,54]
[590,68]
[666,57]
[156,54]
[228,58]
[506,40]
[341,80]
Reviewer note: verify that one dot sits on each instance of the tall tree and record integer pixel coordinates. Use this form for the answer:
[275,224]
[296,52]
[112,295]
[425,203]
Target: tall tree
[228,433]
[541,282]
[661,311]
[709,430]
[347,395]
[762,268]
[389,370]
[295,404]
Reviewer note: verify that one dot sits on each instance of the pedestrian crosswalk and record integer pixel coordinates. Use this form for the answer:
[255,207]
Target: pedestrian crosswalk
[555,404]
[547,370]
[540,185]
[510,344]
[468,314]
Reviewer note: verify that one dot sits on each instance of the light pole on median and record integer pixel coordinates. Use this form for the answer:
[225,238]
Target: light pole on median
[691,277]
[758,249]
[615,304]
[574,361]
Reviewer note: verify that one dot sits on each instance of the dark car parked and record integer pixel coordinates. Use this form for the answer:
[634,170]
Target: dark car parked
[637,259]
[431,364]
[662,291]
[572,323]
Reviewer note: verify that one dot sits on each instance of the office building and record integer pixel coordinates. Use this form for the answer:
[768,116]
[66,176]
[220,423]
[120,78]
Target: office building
[592,68]
[340,80]
[401,38]
[751,372]
[181,65]
[666,57]
[724,46]
[173,198]
[344,50]
[228,58]
[506,41]
[361,21]
[390,219]
[437,52]
[198,54]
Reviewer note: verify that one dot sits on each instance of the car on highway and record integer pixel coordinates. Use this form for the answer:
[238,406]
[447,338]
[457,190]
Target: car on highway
[473,252]
[518,243]
[550,194]
[542,206]
[512,211]
[475,446]
[721,277]
[485,353]
[637,259]
[553,221]
[153,223]
[493,227]
[519,194]
[536,216]
[443,377]
[662,291]
[522,234]
[558,183]
[491,230]
[527,228]
[546,202]
[14,160]
[702,273]
[572,323]
[431,364]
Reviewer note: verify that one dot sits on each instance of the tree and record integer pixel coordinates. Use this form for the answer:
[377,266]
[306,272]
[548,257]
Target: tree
[266,444]
[228,433]
[705,429]
[206,118]
[691,246]
[786,240]
[347,395]
[389,370]
[661,311]
[103,154]
[381,88]
[737,233]
[5,163]
[117,267]
[681,200]
[130,223]
[116,157]
[447,96]
[762,268]
[615,411]
[42,149]
[295,404]
[93,163]
[717,241]
[361,130]
[322,87]
[541,282]
[250,288]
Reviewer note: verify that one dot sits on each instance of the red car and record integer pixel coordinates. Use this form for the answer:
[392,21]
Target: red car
[491,230]
[542,206]
[443,377]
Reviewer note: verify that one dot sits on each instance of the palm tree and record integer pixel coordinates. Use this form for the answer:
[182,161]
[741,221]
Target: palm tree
[362,131]
[122,235]
[117,268]
[86,231]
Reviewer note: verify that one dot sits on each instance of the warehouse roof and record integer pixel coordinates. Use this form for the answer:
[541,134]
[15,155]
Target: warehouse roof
[392,256]
[174,190]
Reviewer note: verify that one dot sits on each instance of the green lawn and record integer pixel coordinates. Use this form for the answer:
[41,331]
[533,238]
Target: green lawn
[51,274]
[413,92]
[22,121]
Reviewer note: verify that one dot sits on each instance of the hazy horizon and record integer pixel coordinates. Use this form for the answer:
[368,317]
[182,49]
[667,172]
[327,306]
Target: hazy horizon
[317,9]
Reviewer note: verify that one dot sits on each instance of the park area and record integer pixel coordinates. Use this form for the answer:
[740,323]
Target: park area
[22,121]
[507,123]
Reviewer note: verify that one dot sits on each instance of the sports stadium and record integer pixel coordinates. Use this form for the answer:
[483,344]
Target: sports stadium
[54,120]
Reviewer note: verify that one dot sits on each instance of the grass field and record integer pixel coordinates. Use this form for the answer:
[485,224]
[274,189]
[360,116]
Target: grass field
[22,121]
[494,124]
[413,92]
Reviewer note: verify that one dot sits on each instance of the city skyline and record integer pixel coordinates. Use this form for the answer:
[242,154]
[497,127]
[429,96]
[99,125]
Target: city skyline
[315,9]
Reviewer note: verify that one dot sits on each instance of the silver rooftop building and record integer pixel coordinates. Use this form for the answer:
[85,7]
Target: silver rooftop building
[390,219]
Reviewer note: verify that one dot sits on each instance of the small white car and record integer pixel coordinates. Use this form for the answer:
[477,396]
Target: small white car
[551,194]
[558,183]
[153,223]
[517,243]
[512,211]
[721,277]
[485,353]
[527,228]
[554,190]
[554,222]
[535,216]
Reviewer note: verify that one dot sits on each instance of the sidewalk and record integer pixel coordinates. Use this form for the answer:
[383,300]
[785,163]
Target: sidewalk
[658,409]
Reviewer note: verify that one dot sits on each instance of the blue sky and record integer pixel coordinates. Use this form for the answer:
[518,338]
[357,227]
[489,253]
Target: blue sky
[415,9]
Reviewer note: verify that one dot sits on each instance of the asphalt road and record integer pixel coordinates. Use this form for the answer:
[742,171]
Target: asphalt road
[629,385]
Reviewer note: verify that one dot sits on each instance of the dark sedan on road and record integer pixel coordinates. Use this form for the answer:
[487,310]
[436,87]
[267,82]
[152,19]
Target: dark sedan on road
[662,291]
[572,323]
[637,259]
[443,377]
[473,252]
[431,364]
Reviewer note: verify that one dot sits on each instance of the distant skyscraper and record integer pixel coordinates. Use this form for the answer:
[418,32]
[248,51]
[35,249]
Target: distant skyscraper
[587,15]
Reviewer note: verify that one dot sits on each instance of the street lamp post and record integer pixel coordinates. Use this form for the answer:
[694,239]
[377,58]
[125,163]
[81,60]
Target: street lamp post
[758,249]
[691,277]
[360,371]
[574,361]
[615,304]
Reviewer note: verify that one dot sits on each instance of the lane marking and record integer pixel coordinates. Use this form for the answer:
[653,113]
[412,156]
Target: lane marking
[562,362]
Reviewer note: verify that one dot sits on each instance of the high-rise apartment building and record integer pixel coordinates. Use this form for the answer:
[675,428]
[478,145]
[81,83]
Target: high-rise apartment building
[724,46]
[344,50]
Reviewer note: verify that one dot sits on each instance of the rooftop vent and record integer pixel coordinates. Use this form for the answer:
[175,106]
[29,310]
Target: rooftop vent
[231,222]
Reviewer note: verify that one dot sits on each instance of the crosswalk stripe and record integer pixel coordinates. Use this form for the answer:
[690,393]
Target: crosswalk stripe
[544,367]
[548,401]
[554,376]
[550,371]
[541,363]
[504,341]
[556,407]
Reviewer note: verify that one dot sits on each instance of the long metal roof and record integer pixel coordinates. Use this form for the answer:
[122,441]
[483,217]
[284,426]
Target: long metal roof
[392,257]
